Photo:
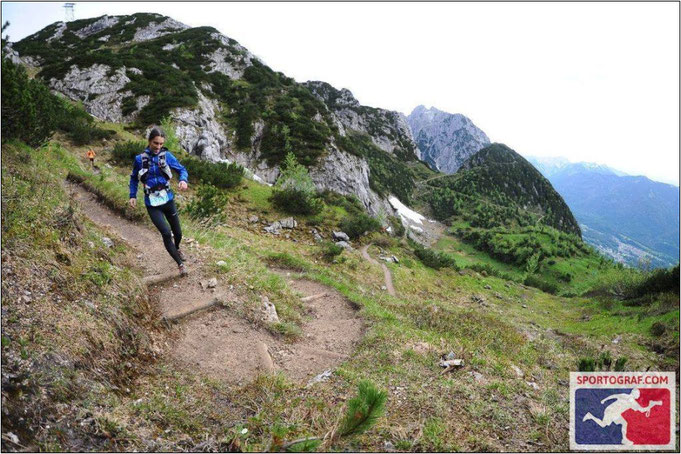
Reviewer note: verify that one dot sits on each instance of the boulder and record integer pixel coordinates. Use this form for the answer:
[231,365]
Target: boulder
[344,245]
[269,311]
[288,223]
[341,236]
[274,228]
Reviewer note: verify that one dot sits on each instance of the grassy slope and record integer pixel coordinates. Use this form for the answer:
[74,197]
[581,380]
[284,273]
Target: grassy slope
[169,409]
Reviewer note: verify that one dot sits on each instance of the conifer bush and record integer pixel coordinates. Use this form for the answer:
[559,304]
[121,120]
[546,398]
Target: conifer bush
[295,192]
[30,113]
[218,174]
[330,251]
[358,225]
[79,125]
[398,227]
[363,410]
[660,280]
[545,286]
[620,363]
[123,153]
[435,259]
[209,204]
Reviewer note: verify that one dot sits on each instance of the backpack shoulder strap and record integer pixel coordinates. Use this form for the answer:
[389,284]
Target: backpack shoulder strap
[163,165]
[144,171]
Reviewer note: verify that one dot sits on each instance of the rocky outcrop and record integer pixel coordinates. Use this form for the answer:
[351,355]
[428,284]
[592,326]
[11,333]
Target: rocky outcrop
[231,60]
[388,129]
[61,28]
[199,131]
[17,59]
[98,90]
[445,140]
[348,175]
[91,29]
[157,29]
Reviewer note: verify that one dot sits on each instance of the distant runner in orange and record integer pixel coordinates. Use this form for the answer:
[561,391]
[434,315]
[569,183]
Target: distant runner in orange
[91,157]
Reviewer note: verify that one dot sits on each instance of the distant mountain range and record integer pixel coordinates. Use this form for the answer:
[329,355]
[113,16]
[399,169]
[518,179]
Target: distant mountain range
[630,218]
[550,166]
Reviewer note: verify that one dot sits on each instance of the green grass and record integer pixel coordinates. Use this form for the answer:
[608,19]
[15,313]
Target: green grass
[85,297]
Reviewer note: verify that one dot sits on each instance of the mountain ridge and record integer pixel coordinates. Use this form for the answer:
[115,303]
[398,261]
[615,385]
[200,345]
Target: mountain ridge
[225,102]
[445,140]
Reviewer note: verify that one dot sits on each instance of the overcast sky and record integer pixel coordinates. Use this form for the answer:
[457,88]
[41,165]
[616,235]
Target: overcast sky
[595,82]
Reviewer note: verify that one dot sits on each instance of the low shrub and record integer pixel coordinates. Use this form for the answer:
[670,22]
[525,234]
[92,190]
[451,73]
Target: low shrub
[660,280]
[350,203]
[602,362]
[218,174]
[383,240]
[295,192]
[330,251]
[293,201]
[397,226]
[619,364]
[586,365]
[490,270]
[358,225]
[435,259]
[123,153]
[79,125]
[209,204]
[548,287]
[565,277]
[658,329]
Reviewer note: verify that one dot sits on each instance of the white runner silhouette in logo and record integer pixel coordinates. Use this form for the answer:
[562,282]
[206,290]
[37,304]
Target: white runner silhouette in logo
[613,412]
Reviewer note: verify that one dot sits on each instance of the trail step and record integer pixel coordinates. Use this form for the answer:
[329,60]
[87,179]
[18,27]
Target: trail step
[159,278]
[307,299]
[320,352]
[188,310]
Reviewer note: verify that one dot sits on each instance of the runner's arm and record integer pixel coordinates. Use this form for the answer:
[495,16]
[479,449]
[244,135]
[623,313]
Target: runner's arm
[177,167]
[134,178]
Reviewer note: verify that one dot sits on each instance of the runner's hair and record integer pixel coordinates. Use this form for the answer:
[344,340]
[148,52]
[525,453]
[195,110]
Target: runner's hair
[156,131]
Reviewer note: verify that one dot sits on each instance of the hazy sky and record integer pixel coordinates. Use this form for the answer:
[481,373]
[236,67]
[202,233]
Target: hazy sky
[596,82]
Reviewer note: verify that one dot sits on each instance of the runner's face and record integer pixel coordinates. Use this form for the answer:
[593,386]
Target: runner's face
[156,143]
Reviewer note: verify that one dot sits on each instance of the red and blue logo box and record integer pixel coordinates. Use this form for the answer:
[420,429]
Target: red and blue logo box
[612,411]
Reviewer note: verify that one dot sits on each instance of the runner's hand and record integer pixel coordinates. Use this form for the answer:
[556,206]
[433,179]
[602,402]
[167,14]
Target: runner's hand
[132,202]
[182,185]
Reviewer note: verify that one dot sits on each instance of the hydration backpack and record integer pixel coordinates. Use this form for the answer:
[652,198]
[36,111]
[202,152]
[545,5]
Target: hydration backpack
[163,167]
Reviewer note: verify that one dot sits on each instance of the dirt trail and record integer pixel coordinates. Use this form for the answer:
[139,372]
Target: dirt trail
[226,347]
[218,343]
[387,276]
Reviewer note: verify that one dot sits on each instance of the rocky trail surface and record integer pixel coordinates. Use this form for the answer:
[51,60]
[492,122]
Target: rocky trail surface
[209,336]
